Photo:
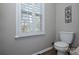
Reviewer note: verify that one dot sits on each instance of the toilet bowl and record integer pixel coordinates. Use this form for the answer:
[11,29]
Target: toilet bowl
[63,45]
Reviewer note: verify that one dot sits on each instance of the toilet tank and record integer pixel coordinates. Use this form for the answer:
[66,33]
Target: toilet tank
[66,37]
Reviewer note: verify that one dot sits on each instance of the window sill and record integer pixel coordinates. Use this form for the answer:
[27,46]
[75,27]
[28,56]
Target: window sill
[28,35]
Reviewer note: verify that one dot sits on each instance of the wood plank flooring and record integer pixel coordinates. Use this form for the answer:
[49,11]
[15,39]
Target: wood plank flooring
[50,52]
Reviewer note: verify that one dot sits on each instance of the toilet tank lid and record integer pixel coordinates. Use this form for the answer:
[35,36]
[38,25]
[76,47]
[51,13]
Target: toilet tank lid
[61,44]
[66,32]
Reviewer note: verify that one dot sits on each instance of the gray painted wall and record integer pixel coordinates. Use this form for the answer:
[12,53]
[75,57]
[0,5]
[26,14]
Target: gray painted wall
[60,21]
[27,45]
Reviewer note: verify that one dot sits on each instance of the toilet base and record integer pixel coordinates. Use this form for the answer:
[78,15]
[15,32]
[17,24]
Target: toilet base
[60,53]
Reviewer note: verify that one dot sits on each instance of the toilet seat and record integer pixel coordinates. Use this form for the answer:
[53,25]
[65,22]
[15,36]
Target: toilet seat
[61,44]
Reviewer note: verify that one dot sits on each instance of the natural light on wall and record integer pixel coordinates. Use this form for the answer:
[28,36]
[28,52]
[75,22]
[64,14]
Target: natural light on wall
[29,19]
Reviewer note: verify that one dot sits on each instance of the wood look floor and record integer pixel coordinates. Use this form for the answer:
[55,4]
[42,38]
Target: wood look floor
[50,52]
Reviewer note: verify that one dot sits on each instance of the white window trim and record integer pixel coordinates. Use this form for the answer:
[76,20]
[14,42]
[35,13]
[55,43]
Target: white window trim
[18,35]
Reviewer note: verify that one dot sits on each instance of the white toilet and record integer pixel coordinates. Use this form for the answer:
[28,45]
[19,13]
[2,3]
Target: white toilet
[62,46]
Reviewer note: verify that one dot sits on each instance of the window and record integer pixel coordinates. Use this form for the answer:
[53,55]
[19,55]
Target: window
[29,19]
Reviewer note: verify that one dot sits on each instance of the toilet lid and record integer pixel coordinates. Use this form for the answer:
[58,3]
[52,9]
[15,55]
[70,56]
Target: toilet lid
[61,44]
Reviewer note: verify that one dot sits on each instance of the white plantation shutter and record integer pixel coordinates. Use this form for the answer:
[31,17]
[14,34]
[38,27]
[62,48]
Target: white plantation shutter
[29,19]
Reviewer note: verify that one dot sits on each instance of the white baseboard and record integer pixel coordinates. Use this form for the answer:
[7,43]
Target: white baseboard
[42,51]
